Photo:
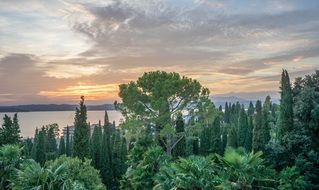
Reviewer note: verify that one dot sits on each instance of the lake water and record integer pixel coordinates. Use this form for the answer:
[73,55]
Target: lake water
[30,120]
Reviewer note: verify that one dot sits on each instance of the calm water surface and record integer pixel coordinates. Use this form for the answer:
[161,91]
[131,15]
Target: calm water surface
[30,120]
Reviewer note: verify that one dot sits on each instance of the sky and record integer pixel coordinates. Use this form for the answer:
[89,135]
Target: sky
[54,51]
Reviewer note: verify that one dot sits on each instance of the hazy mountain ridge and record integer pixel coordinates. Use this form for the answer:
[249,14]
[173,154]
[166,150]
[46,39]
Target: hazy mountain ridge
[221,100]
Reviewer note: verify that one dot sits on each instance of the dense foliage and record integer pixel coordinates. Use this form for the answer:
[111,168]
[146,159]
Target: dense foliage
[173,137]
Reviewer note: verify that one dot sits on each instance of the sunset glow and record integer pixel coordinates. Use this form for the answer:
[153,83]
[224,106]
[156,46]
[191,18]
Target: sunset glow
[56,51]
[91,92]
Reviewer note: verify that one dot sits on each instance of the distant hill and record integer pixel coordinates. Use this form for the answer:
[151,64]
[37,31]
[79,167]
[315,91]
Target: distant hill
[52,107]
[221,100]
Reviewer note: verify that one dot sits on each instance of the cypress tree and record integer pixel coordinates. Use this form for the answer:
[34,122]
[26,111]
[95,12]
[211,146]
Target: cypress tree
[227,113]
[266,119]
[15,129]
[232,137]
[27,148]
[224,137]
[242,128]
[68,143]
[51,145]
[216,146]
[258,133]
[117,158]
[286,105]
[180,148]
[249,136]
[106,119]
[40,155]
[81,139]
[96,141]
[205,141]
[106,155]
[251,109]
[220,108]
[6,130]
[62,146]
[35,142]
[195,144]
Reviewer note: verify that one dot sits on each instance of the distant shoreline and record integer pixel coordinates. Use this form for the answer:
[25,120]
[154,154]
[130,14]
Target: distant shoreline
[53,107]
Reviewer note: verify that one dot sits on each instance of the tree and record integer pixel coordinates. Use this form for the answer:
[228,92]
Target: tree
[258,132]
[81,132]
[290,179]
[15,129]
[35,143]
[227,113]
[232,137]
[180,149]
[267,119]
[251,109]
[245,129]
[10,131]
[62,146]
[96,140]
[157,96]
[40,155]
[286,105]
[68,146]
[51,131]
[106,156]
[242,128]
[225,128]
[27,147]
[216,146]
[249,136]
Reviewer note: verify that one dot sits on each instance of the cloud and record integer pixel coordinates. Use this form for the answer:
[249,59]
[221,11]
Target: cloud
[59,48]
[73,71]
[90,91]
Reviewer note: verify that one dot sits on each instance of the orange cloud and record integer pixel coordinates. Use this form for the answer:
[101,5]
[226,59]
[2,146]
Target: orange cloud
[91,92]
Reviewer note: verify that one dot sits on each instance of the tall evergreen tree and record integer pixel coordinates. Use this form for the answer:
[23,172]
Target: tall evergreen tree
[216,146]
[68,146]
[15,129]
[266,119]
[50,141]
[249,136]
[205,140]
[10,131]
[258,132]
[286,105]
[232,137]
[180,148]
[27,147]
[118,158]
[81,139]
[62,149]
[227,113]
[224,136]
[106,155]
[242,128]
[35,142]
[251,109]
[40,155]
[96,140]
